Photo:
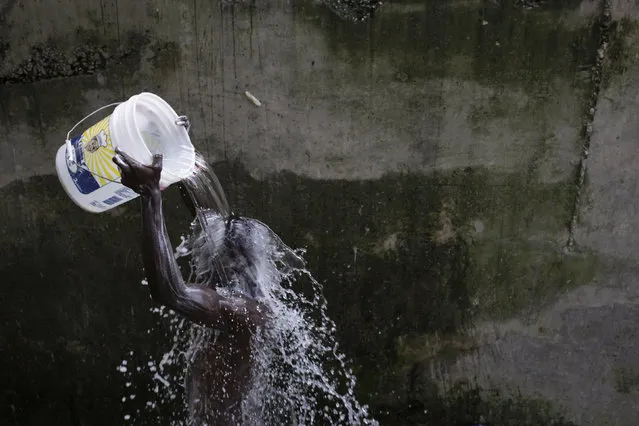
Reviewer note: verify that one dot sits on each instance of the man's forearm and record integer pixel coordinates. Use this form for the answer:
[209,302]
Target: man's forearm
[163,274]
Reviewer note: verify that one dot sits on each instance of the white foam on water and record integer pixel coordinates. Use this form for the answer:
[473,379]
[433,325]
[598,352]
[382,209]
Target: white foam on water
[299,374]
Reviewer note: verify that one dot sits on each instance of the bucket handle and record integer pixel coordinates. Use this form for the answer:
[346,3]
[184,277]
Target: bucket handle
[69,149]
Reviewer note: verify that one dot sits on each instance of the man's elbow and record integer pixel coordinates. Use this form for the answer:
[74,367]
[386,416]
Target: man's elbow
[165,298]
[179,303]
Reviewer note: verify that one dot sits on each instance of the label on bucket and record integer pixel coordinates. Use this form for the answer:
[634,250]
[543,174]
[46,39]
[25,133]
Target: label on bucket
[94,152]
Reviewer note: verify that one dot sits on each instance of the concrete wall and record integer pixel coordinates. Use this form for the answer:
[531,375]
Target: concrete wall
[461,173]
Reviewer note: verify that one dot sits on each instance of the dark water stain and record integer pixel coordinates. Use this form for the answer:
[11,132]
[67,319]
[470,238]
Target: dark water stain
[400,257]
[5,9]
[622,49]
[4,47]
[166,55]
[626,380]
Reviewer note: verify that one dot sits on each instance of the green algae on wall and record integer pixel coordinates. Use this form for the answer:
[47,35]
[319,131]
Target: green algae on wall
[626,380]
[623,49]
[408,256]
[408,215]
[490,42]
[474,227]
[513,278]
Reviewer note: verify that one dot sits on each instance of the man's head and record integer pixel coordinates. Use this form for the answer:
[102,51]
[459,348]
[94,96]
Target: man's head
[237,258]
[224,253]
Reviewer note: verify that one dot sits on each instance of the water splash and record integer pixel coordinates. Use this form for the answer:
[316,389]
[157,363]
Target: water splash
[299,375]
[205,190]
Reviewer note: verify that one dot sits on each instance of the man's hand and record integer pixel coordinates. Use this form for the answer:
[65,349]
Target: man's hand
[142,179]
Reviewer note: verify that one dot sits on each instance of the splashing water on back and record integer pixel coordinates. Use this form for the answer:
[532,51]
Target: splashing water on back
[299,375]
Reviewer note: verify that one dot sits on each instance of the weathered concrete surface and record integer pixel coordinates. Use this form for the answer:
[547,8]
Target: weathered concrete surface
[427,158]
[346,92]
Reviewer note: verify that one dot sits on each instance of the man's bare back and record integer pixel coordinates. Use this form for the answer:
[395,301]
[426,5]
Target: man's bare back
[219,371]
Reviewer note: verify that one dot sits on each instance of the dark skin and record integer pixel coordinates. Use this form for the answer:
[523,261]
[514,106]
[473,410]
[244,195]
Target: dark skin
[219,374]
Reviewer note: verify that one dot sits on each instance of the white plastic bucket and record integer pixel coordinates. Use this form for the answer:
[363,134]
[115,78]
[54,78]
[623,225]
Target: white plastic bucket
[142,126]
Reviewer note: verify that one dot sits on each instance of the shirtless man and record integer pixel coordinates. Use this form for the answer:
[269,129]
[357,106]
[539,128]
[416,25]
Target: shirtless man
[217,377]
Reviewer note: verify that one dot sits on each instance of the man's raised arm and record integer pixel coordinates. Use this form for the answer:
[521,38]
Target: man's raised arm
[199,304]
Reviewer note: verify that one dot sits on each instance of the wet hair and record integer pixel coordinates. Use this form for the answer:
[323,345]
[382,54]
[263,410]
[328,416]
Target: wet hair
[222,253]
[224,247]
[238,257]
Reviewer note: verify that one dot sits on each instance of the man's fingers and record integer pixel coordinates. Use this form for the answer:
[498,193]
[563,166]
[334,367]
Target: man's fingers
[120,162]
[126,157]
[157,161]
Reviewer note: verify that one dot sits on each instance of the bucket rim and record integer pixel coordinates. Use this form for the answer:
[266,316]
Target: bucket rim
[176,167]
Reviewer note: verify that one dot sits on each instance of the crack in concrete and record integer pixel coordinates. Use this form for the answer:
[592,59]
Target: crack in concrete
[596,79]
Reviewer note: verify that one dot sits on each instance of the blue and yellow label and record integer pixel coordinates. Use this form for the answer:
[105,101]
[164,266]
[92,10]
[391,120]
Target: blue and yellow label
[94,152]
